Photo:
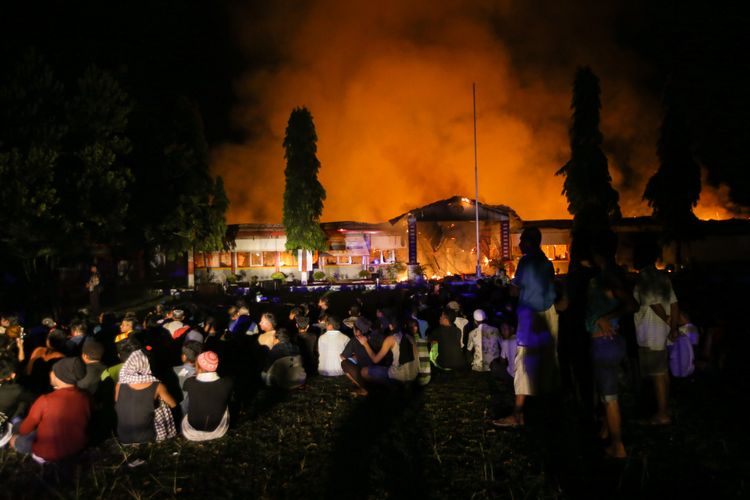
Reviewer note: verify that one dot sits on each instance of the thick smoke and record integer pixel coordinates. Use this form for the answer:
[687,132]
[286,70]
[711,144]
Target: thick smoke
[390,87]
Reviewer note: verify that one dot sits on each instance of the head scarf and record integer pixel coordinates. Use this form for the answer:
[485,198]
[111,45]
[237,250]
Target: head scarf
[137,370]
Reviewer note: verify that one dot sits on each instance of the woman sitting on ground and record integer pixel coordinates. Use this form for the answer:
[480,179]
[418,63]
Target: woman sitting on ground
[405,366]
[139,418]
[208,398]
[354,357]
[41,361]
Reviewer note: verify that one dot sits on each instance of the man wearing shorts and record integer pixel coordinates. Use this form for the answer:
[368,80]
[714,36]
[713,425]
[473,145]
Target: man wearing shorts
[537,325]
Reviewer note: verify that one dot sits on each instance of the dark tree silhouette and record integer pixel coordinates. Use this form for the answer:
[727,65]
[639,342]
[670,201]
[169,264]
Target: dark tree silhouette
[591,199]
[673,191]
[64,173]
[186,205]
[304,194]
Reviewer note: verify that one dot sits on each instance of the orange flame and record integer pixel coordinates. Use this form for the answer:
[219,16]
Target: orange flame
[389,86]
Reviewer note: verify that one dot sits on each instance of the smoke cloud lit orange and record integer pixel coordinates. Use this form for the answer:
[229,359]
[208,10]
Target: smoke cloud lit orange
[389,86]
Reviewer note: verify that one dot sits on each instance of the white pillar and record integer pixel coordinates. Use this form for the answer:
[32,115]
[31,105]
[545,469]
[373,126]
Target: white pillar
[190,269]
[302,266]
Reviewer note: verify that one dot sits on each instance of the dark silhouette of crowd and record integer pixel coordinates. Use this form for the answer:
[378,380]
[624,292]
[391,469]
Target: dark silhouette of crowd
[184,370]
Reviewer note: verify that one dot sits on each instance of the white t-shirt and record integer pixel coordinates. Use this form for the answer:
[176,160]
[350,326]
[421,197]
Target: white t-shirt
[650,330]
[173,326]
[330,346]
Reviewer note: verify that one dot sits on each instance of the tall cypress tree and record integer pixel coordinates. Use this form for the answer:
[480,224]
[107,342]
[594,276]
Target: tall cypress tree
[591,199]
[673,191]
[304,194]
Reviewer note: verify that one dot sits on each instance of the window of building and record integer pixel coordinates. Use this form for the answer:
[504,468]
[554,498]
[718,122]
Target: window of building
[269,259]
[288,259]
[225,259]
[243,259]
[256,259]
[344,259]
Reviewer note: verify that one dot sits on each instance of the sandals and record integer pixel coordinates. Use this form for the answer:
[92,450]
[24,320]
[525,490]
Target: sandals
[509,422]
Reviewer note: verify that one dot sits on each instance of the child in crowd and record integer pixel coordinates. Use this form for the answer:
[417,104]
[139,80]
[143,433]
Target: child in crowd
[508,348]
[190,352]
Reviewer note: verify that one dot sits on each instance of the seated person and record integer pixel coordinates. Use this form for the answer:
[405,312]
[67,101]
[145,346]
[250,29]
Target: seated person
[307,340]
[284,366]
[268,326]
[446,350]
[124,349]
[405,366]
[240,323]
[55,427]
[91,354]
[348,324]
[330,346]
[77,336]
[354,357]
[423,351]
[459,320]
[208,395]
[142,403]
[14,401]
[41,361]
[190,352]
[484,340]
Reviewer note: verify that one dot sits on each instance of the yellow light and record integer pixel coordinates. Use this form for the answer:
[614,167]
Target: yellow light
[466,200]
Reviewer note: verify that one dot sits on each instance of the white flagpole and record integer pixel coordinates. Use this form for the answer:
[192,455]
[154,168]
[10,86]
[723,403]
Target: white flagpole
[476,181]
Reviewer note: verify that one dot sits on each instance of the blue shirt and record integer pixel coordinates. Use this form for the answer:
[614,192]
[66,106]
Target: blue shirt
[535,277]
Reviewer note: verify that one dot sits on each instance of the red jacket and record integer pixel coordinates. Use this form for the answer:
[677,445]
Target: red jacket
[60,419]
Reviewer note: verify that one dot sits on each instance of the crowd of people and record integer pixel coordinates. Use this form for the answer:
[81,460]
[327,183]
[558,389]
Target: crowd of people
[181,370]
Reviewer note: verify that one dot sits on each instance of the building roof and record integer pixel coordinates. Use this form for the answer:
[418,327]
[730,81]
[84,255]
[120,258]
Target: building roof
[458,208]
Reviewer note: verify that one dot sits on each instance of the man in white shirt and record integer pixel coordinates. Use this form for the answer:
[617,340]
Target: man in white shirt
[330,346]
[460,321]
[177,316]
[656,321]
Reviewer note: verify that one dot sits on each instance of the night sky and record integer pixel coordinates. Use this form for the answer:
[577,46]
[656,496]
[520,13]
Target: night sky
[389,86]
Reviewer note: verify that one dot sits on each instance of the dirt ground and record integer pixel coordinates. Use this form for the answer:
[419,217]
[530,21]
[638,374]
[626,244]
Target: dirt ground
[434,442]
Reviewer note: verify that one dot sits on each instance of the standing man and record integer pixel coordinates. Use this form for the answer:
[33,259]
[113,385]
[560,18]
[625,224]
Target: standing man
[537,325]
[94,286]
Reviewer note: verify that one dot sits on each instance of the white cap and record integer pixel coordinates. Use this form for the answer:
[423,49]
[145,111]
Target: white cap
[479,315]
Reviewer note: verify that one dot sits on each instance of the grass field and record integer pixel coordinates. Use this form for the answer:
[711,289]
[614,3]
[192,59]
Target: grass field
[435,442]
